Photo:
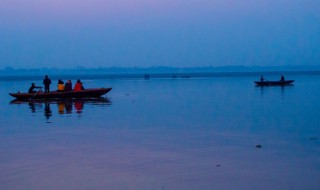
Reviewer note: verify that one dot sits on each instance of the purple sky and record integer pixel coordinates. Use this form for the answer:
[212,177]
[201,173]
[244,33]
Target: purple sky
[180,33]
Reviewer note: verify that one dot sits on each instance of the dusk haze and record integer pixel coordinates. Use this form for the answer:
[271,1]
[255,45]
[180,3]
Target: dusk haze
[177,33]
[159,94]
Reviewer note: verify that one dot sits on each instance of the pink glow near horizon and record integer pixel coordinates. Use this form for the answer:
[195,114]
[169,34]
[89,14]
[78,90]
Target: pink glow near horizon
[127,32]
[123,8]
[17,10]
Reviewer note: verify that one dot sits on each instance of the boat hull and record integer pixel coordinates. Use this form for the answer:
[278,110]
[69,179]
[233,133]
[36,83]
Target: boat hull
[274,83]
[87,93]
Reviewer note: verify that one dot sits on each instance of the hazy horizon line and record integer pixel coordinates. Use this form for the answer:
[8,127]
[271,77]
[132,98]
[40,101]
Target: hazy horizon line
[8,68]
[155,72]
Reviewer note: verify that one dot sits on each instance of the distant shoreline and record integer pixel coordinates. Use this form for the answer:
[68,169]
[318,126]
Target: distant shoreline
[153,70]
[146,76]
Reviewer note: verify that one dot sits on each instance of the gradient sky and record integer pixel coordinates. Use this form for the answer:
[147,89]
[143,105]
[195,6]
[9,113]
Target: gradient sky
[179,33]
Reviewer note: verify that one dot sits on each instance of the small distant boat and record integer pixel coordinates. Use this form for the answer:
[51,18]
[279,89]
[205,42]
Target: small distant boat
[274,83]
[87,93]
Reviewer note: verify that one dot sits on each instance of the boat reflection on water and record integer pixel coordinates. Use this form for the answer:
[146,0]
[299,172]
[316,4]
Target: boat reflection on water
[64,106]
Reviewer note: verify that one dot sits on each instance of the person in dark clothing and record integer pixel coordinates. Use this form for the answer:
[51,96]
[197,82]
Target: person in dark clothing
[68,86]
[261,78]
[46,82]
[33,86]
[282,78]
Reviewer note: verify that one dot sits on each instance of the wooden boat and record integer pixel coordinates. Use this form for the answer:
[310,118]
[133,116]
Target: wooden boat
[274,83]
[87,93]
[95,101]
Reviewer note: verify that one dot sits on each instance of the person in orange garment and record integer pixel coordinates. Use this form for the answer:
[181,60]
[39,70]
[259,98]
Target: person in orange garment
[60,85]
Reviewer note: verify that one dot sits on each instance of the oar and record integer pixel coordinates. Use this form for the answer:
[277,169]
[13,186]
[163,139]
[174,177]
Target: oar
[35,93]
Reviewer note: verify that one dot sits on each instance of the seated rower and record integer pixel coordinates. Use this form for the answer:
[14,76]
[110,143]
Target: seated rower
[78,86]
[33,86]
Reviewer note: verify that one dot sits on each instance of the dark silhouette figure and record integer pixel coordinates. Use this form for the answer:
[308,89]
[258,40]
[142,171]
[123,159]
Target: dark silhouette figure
[47,110]
[46,82]
[282,78]
[68,86]
[33,86]
[261,78]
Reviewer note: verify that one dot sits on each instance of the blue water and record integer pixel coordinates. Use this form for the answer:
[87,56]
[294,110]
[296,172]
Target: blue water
[165,133]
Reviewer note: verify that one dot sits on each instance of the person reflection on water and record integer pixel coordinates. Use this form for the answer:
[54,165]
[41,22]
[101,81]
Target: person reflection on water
[68,106]
[61,107]
[33,86]
[78,105]
[47,110]
[31,106]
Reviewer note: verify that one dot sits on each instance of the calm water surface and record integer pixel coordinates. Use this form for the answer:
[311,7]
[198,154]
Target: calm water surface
[194,133]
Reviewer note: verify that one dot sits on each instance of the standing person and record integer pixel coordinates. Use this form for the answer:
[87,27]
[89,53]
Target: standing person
[78,86]
[46,82]
[282,78]
[68,86]
[261,78]
[60,85]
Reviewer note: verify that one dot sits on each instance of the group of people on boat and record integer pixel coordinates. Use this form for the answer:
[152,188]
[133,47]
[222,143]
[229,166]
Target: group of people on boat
[262,79]
[62,87]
